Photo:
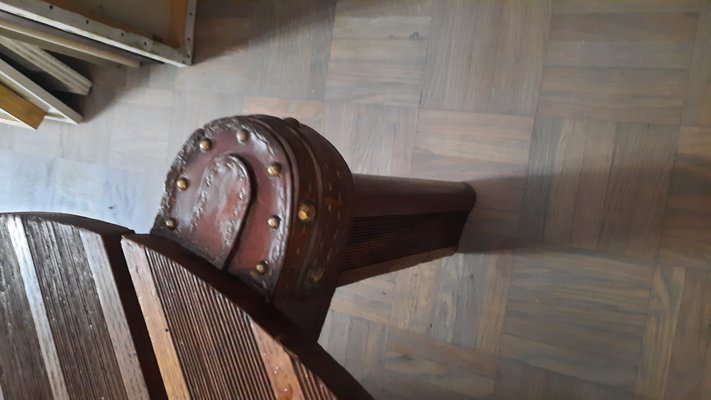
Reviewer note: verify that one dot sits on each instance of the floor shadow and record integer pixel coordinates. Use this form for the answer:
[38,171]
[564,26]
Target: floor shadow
[619,210]
[223,26]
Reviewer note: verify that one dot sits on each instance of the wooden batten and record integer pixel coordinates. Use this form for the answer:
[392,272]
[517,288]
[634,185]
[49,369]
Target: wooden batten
[33,93]
[210,327]
[61,42]
[69,316]
[158,29]
[20,109]
[61,76]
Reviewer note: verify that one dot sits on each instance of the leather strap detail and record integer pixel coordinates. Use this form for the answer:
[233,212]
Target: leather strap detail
[201,211]
[262,198]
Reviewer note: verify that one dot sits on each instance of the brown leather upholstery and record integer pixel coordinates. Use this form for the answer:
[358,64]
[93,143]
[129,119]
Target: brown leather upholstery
[223,213]
[271,201]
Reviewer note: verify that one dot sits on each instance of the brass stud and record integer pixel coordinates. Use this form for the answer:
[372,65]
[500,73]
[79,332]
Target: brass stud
[273,222]
[307,212]
[261,267]
[182,183]
[205,144]
[293,122]
[243,135]
[170,223]
[316,274]
[274,169]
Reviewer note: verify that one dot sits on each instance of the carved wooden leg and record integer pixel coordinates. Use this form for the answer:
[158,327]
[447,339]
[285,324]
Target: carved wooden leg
[400,222]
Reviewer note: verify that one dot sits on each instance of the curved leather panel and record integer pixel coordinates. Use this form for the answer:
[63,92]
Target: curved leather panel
[206,209]
[267,196]
[233,190]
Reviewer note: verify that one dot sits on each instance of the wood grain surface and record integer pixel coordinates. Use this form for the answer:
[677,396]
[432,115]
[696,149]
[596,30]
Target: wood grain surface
[584,125]
[220,339]
[69,325]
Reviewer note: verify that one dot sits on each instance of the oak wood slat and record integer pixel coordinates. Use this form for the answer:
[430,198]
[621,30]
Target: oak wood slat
[690,354]
[25,329]
[686,236]
[522,381]
[485,56]
[74,278]
[578,318]
[24,111]
[296,75]
[697,108]
[657,341]
[378,59]
[212,318]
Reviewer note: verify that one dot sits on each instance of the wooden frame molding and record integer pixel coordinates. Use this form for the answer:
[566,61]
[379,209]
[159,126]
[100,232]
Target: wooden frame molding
[20,111]
[33,93]
[87,21]
[61,76]
[62,42]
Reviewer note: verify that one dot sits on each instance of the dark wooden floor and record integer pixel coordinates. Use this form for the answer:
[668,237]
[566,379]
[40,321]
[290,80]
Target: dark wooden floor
[585,125]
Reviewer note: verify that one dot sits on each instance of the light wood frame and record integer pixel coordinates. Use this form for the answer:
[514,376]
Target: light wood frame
[58,41]
[61,76]
[33,93]
[72,17]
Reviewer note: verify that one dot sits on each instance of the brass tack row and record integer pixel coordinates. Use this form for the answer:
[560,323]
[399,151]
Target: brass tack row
[205,144]
[293,122]
[307,212]
[170,223]
[316,274]
[243,135]
[273,222]
[261,267]
[274,169]
[182,183]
